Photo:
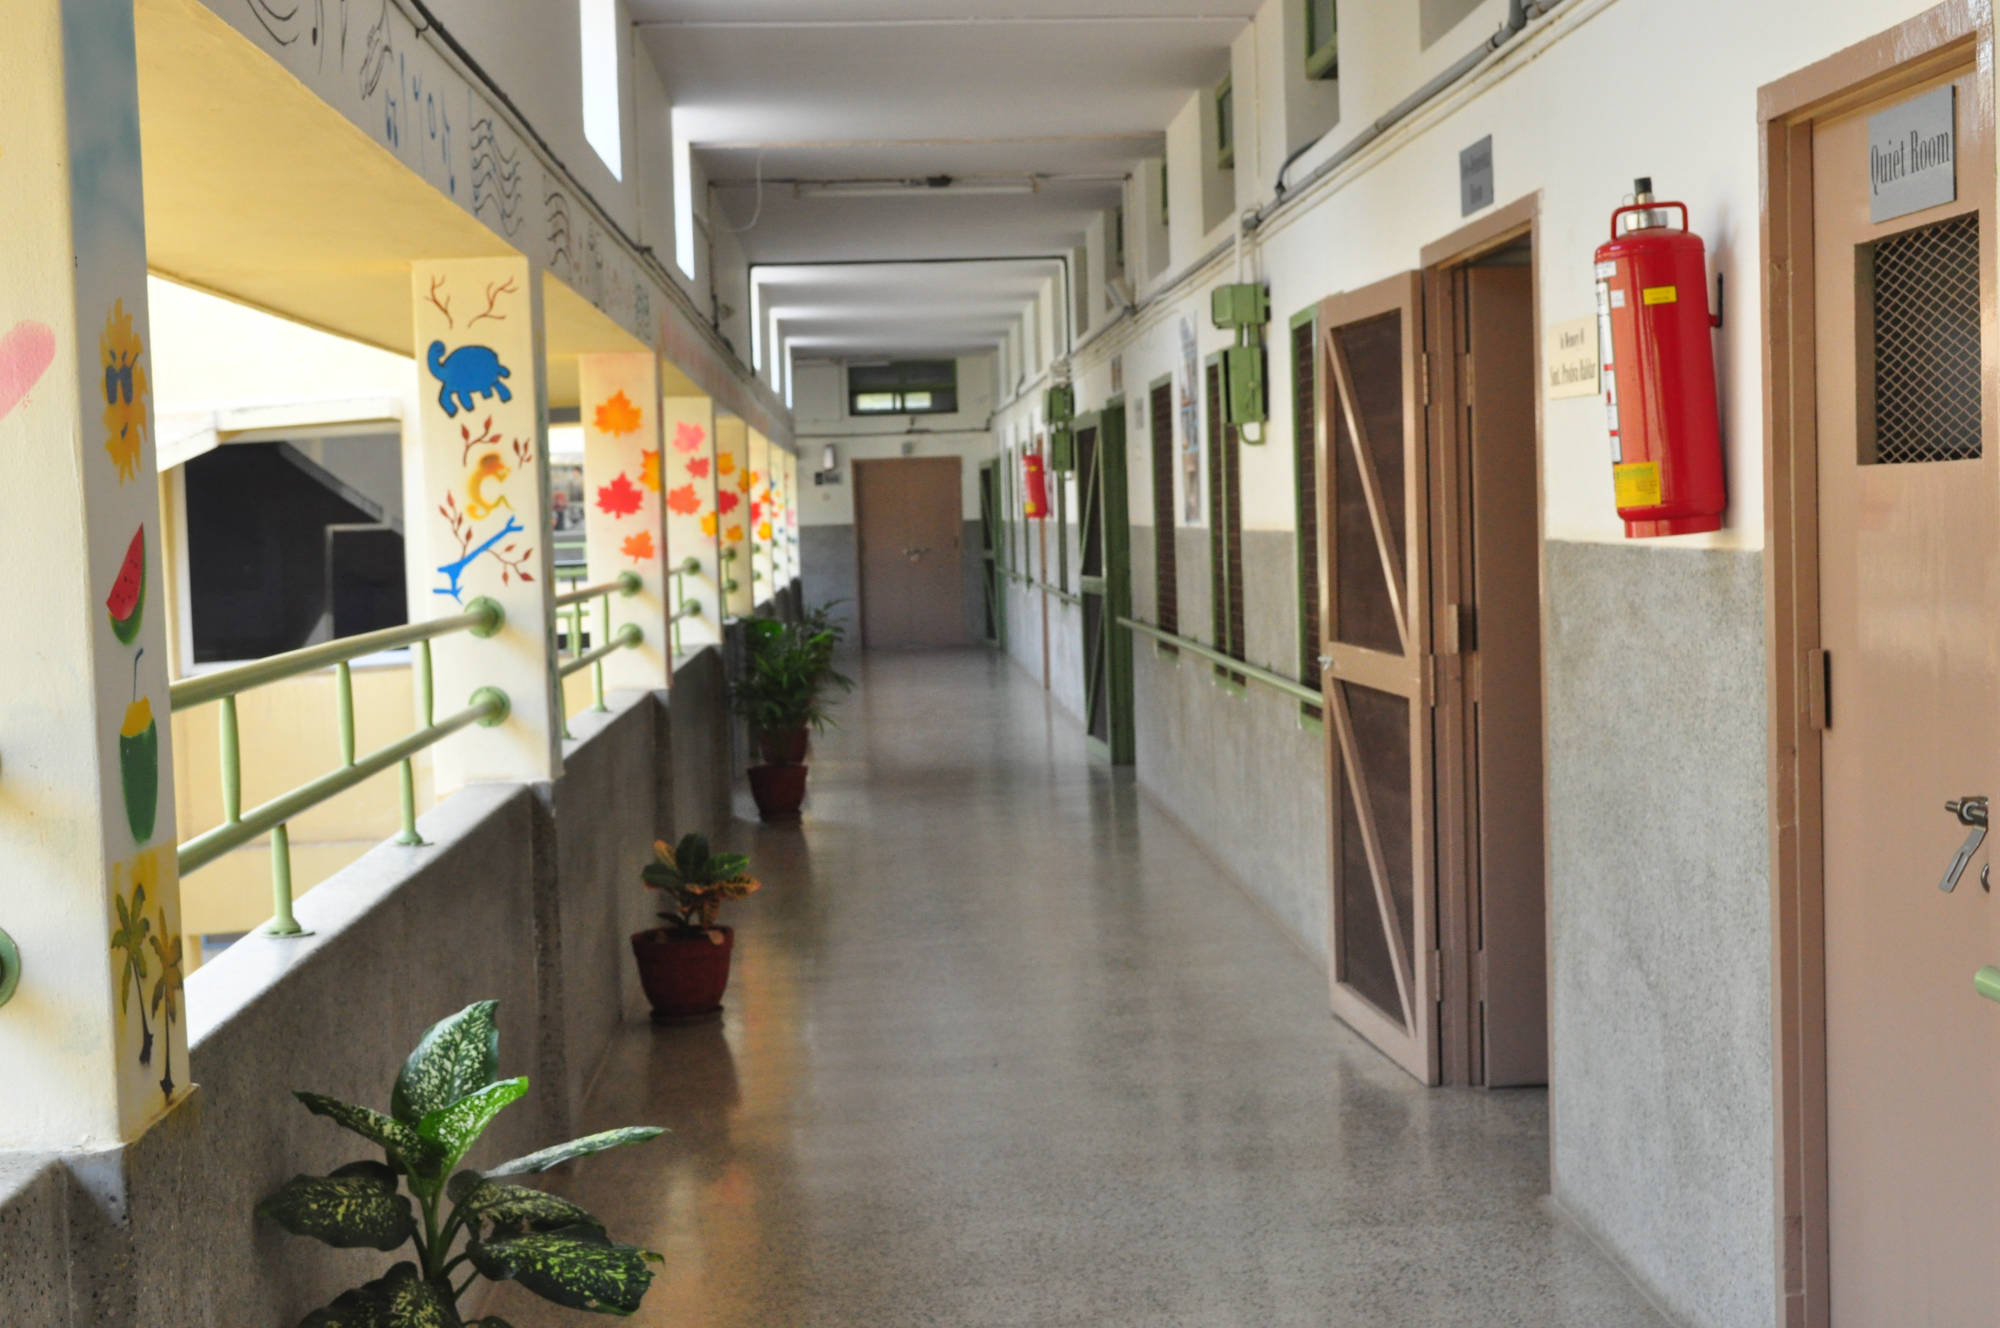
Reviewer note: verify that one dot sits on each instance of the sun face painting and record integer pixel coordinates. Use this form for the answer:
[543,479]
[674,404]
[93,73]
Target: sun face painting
[126,391]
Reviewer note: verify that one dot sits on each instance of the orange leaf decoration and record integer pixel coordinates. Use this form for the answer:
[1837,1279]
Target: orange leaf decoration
[684,501]
[698,468]
[735,535]
[639,547]
[725,464]
[619,416]
[650,476]
[764,531]
[726,502]
[743,484]
[708,525]
[688,437]
[621,497]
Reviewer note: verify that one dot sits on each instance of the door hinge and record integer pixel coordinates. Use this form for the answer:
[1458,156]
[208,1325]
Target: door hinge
[1819,688]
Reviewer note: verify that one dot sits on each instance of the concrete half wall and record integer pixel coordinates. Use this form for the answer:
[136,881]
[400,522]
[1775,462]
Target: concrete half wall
[1659,922]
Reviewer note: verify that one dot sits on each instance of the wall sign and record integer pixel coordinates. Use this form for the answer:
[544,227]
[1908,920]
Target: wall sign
[1475,177]
[1569,358]
[1913,156]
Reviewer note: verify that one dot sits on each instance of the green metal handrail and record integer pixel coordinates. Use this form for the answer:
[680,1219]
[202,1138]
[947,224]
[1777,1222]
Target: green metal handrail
[629,635]
[1278,681]
[489,706]
[624,585]
[1059,593]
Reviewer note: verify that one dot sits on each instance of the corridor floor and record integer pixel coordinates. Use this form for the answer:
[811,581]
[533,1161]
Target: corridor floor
[1003,1048]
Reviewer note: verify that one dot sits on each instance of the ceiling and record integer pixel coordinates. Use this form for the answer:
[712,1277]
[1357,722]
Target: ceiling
[795,92]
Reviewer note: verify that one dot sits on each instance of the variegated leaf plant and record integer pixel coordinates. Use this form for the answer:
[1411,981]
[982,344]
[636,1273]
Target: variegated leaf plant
[448,1092]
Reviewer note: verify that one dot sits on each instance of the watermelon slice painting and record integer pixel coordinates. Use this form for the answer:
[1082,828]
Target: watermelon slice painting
[127,601]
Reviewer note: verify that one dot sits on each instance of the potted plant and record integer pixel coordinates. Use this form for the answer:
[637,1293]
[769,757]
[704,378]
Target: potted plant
[448,1092]
[788,669]
[684,965]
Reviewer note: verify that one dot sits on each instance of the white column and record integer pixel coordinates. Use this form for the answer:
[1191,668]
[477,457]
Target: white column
[623,465]
[732,470]
[481,522]
[93,1040]
[688,484]
[756,489]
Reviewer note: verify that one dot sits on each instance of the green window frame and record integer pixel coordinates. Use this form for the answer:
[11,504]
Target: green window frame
[1322,38]
[1118,239]
[1165,214]
[1225,531]
[1225,124]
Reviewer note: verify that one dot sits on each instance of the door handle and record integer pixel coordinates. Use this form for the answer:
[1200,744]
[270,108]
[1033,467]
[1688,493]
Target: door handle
[1970,812]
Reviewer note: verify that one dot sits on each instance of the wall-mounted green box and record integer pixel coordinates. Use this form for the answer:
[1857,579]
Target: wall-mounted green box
[1247,305]
[1059,406]
[1243,399]
[1062,449]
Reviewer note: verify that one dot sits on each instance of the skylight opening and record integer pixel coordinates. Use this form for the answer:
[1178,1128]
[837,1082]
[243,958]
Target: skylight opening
[603,117]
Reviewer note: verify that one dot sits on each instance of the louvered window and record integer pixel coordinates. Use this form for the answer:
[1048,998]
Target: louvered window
[1225,531]
[1305,419]
[1166,584]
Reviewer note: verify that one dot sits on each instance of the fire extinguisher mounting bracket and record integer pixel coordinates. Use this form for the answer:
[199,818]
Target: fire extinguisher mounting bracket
[1648,207]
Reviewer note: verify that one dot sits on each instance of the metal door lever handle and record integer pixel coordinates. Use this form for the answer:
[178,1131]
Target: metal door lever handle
[1970,812]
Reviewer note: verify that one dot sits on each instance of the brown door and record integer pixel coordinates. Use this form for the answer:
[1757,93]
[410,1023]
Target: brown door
[1374,532]
[1493,1012]
[1909,571]
[910,525]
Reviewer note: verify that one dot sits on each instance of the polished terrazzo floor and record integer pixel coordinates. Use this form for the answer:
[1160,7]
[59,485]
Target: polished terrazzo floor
[1001,1049]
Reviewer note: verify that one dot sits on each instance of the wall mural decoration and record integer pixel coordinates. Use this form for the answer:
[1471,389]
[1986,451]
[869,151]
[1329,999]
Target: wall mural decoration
[139,943]
[127,601]
[496,179]
[697,468]
[127,393]
[492,469]
[619,417]
[557,235]
[708,525]
[620,498]
[689,438]
[167,995]
[639,548]
[139,761]
[27,349]
[649,469]
[468,372]
[684,501]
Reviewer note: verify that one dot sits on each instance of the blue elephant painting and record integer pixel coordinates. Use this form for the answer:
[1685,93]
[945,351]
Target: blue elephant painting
[468,372]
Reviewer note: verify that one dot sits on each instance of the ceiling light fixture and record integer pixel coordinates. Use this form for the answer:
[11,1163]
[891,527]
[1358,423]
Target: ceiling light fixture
[939,186]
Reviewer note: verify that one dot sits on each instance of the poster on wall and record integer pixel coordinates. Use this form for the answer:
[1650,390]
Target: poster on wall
[1190,428]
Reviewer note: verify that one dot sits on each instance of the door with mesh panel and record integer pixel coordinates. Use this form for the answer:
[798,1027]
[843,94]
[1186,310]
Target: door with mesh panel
[1374,536]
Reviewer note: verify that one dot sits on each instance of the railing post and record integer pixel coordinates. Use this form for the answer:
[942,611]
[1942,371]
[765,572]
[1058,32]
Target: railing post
[482,521]
[693,525]
[627,480]
[92,1040]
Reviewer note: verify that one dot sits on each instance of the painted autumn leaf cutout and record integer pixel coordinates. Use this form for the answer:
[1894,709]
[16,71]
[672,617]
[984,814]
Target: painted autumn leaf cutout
[650,476]
[698,468]
[708,525]
[684,501]
[619,416]
[755,478]
[639,547]
[756,511]
[725,464]
[689,437]
[126,391]
[727,502]
[621,497]
[743,484]
[764,530]
[735,535]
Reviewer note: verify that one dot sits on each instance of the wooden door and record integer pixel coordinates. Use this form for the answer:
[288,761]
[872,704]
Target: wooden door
[910,526]
[1909,575]
[1374,532]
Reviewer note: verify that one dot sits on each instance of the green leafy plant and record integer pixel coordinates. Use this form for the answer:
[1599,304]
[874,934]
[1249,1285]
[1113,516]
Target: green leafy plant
[787,672]
[697,882]
[447,1093]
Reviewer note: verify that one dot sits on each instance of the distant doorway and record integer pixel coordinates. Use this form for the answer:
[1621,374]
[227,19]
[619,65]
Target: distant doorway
[910,525]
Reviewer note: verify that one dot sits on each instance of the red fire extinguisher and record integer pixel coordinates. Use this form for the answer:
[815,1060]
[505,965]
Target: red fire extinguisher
[1653,335]
[1034,488]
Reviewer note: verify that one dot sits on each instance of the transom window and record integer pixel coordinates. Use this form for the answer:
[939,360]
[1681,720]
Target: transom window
[906,387]
[1322,39]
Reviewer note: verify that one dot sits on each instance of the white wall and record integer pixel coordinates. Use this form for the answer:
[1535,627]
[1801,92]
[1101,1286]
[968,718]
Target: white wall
[819,404]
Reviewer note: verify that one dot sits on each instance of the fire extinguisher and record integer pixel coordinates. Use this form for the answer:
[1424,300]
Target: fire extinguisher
[1034,488]
[1653,336]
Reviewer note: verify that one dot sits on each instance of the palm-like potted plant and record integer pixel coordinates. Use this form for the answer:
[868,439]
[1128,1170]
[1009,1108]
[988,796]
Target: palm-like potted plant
[684,965]
[448,1092]
[788,671]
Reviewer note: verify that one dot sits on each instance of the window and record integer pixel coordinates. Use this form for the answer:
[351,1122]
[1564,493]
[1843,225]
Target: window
[683,199]
[603,113]
[1225,531]
[910,387]
[1117,241]
[1322,40]
[1225,126]
[1305,418]
[1165,214]
[1166,579]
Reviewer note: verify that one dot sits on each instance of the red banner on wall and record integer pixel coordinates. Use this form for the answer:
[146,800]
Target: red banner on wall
[1034,489]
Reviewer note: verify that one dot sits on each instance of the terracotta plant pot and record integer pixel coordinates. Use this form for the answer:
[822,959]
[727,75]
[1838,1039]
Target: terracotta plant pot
[684,973]
[785,748]
[780,790]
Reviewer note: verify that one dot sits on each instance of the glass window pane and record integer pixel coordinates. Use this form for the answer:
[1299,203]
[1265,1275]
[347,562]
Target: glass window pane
[876,402]
[916,401]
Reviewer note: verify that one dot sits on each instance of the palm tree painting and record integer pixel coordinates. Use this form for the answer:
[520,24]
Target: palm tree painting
[129,942]
[167,996]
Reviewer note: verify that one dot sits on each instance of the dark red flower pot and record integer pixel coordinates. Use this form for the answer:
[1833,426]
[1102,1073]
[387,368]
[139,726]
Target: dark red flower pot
[684,973]
[785,748]
[780,790]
